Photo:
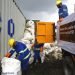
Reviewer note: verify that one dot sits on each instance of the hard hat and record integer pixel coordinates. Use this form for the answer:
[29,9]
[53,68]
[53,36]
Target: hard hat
[58,2]
[11,42]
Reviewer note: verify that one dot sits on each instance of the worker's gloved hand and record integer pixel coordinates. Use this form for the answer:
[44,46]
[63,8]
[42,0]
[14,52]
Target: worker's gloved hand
[8,55]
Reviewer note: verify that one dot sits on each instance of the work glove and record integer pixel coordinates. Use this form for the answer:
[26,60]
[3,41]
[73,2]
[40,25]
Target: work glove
[8,55]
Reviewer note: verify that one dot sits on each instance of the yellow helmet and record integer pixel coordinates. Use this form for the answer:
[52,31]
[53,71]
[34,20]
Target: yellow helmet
[11,42]
[58,2]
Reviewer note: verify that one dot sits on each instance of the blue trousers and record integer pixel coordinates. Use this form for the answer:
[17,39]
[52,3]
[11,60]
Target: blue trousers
[25,64]
[37,55]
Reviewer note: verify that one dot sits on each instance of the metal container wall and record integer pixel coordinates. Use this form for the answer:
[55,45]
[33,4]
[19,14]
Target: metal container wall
[11,11]
[0,25]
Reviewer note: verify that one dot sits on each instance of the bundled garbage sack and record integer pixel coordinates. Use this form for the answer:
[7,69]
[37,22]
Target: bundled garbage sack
[26,42]
[56,52]
[29,32]
[42,55]
[30,24]
[11,66]
[28,35]
[53,50]
[47,48]
[30,29]
[32,57]
[29,38]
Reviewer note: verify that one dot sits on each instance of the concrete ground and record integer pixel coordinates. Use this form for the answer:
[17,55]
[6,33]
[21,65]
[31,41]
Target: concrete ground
[49,67]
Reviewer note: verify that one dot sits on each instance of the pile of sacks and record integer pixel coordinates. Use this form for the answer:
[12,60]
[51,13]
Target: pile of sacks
[57,53]
[53,50]
[29,36]
[47,48]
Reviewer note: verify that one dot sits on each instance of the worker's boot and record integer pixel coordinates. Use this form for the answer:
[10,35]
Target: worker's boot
[24,72]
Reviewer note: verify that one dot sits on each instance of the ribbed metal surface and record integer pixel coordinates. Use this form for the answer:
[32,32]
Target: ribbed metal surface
[11,11]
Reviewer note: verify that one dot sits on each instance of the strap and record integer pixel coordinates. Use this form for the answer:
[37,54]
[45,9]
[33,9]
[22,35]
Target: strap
[27,56]
[22,51]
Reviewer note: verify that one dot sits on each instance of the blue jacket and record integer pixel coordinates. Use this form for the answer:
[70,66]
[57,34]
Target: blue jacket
[23,54]
[63,11]
[37,46]
[37,51]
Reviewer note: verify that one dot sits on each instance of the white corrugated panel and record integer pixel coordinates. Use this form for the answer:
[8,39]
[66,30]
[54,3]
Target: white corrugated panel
[19,21]
[11,11]
[0,24]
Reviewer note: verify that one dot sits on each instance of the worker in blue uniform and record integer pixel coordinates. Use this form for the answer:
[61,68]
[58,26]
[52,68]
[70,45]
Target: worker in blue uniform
[23,53]
[37,47]
[63,11]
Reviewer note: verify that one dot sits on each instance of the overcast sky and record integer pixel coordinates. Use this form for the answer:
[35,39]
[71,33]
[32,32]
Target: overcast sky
[44,10]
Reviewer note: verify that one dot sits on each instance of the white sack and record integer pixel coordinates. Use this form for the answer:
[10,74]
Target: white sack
[31,30]
[28,36]
[42,55]
[30,24]
[31,58]
[11,65]
[47,48]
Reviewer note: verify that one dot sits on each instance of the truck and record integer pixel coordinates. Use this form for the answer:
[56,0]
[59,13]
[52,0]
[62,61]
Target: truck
[66,40]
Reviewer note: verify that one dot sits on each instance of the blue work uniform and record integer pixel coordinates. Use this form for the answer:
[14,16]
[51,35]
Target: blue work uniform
[63,11]
[37,52]
[23,54]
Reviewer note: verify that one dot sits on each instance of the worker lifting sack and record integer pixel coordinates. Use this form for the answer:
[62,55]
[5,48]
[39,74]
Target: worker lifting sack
[11,66]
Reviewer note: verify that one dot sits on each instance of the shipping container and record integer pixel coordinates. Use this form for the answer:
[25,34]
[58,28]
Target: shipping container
[45,32]
[10,14]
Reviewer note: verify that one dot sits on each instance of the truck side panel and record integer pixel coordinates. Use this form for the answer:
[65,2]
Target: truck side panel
[66,34]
